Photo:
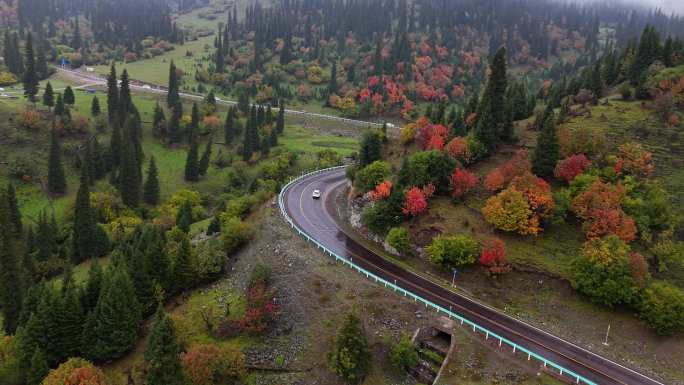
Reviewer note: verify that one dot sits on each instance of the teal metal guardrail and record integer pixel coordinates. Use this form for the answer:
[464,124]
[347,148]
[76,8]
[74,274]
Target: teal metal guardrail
[530,354]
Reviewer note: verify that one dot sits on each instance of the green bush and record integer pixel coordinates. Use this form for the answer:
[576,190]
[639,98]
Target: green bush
[457,250]
[385,214]
[427,167]
[625,91]
[662,307]
[234,234]
[261,274]
[398,238]
[350,357]
[210,260]
[404,355]
[370,176]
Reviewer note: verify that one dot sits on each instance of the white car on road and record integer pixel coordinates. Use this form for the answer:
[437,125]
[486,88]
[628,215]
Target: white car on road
[316,194]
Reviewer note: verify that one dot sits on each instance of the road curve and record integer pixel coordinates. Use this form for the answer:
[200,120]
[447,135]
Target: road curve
[319,219]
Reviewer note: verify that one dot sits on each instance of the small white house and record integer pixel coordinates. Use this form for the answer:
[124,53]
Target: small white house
[90,69]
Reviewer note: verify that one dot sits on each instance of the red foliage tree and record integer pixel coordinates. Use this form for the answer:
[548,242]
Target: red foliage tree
[518,165]
[493,256]
[494,181]
[382,191]
[633,159]
[462,181]
[638,267]
[260,311]
[458,148]
[431,136]
[536,191]
[570,167]
[600,207]
[415,202]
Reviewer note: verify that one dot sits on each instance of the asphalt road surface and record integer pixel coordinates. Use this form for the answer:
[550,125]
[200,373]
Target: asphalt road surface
[319,219]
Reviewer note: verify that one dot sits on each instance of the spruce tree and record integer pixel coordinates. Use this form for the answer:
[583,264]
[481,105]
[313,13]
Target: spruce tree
[183,275]
[280,122]
[93,285]
[125,101]
[69,97]
[370,148]
[172,97]
[14,215]
[115,144]
[42,69]
[161,355]
[85,228]
[491,111]
[350,356]
[39,368]
[30,77]
[596,82]
[139,273]
[192,163]
[49,96]
[203,165]
[56,183]
[194,123]
[130,180]
[158,262]
[95,107]
[175,132]
[229,128]
[546,152]
[151,189]
[10,272]
[184,217]
[111,329]
[68,320]
[214,226]
[60,109]
[112,95]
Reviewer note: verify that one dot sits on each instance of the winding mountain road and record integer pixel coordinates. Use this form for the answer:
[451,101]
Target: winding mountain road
[319,219]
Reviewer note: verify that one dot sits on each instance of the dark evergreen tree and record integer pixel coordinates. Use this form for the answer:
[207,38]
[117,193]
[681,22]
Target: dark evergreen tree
[68,319]
[158,118]
[229,127]
[161,355]
[48,96]
[151,190]
[184,217]
[30,77]
[13,213]
[192,163]
[203,165]
[95,107]
[112,96]
[280,121]
[39,368]
[42,69]
[111,329]
[60,108]
[183,276]
[175,132]
[93,285]
[286,52]
[89,240]
[350,356]
[546,152]
[172,97]
[491,111]
[69,97]
[332,86]
[194,123]
[370,148]
[56,179]
[648,51]
[596,82]
[125,106]
[10,272]
[130,179]
[214,226]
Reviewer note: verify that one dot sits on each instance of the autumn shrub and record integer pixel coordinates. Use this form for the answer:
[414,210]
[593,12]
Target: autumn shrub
[494,181]
[457,250]
[398,238]
[572,166]
[633,159]
[510,211]
[381,191]
[587,140]
[408,134]
[415,202]
[662,307]
[462,181]
[76,371]
[211,364]
[493,256]
[261,310]
[600,207]
[458,149]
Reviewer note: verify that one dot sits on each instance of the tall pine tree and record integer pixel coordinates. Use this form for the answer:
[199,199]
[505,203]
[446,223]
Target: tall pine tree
[172,98]
[203,165]
[10,272]
[30,78]
[112,95]
[56,183]
[49,96]
[192,163]
[491,116]
[161,355]
[151,189]
[546,152]
[130,180]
